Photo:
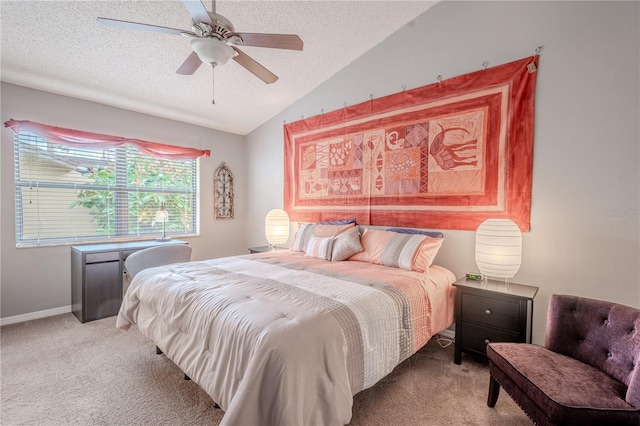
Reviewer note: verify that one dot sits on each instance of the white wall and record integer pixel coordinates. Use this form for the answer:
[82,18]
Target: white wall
[585,231]
[39,279]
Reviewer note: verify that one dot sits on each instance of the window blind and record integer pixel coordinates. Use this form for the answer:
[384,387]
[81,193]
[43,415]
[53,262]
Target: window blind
[65,194]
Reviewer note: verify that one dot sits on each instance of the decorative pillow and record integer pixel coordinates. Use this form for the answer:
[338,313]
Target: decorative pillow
[320,247]
[324,230]
[414,252]
[411,251]
[304,234]
[307,230]
[432,234]
[373,243]
[346,245]
[337,222]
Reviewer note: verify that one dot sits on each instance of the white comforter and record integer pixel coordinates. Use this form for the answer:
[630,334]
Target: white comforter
[285,340]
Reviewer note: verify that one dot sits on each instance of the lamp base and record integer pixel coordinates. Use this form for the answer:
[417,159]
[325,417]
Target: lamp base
[504,280]
[163,239]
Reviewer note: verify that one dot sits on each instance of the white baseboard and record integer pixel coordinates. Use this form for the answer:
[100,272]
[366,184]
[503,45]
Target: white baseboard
[35,315]
[449,334]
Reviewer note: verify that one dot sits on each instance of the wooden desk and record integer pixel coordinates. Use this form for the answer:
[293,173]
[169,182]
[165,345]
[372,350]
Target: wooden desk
[96,277]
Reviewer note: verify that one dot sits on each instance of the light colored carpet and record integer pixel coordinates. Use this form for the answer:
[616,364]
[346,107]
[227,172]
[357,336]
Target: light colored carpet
[57,371]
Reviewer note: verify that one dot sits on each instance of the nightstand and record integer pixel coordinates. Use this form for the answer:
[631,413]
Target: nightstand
[264,249]
[491,311]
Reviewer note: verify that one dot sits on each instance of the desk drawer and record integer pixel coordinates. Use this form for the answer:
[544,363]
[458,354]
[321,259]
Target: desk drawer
[475,337]
[108,256]
[500,313]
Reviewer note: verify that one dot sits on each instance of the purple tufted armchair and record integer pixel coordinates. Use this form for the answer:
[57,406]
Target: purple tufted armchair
[588,373]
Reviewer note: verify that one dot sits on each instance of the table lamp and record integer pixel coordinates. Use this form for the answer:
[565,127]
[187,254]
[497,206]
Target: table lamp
[276,227]
[498,249]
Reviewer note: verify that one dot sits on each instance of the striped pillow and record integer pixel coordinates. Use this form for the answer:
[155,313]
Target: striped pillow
[400,250]
[411,252]
[307,230]
[320,247]
[405,251]
[304,234]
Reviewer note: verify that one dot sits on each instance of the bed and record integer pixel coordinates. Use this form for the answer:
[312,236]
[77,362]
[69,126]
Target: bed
[286,337]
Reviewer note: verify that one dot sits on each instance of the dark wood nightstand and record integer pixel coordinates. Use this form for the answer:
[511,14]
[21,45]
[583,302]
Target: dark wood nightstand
[491,311]
[264,249]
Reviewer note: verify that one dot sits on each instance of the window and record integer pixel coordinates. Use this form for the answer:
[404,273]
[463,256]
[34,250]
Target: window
[66,194]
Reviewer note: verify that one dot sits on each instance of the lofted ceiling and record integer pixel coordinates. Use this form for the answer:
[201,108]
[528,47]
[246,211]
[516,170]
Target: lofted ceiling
[59,47]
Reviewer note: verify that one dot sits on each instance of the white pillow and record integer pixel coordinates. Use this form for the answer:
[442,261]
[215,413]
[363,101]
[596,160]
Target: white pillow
[320,247]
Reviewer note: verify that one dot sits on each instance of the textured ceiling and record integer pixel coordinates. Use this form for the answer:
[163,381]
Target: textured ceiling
[59,47]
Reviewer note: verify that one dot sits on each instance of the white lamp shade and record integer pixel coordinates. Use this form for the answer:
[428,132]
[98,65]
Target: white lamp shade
[276,227]
[212,50]
[498,248]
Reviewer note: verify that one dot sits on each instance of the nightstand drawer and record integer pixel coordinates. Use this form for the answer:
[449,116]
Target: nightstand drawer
[499,313]
[475,337]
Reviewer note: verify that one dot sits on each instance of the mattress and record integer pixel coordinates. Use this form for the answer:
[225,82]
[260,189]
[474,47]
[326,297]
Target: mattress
[282,338]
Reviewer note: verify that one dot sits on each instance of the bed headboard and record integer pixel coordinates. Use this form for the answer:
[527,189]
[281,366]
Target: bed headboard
[403,230]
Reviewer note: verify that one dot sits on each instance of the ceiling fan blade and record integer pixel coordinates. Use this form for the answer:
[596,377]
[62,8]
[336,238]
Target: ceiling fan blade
[275,41]
[143,27]
[190,65]
[197,11]
[254,67]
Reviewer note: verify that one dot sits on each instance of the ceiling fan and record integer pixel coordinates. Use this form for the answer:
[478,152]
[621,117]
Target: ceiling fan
[214,41]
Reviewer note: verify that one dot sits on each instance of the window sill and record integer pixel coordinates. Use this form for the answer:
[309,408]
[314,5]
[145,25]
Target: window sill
[101,241]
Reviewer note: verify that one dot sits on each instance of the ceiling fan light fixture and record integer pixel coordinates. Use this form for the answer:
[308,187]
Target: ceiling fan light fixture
[212,50]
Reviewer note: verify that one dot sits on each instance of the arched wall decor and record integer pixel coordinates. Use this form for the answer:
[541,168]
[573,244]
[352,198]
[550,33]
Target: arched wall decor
[223,192]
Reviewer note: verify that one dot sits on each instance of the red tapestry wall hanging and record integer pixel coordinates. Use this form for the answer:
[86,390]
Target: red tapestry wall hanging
[444,156]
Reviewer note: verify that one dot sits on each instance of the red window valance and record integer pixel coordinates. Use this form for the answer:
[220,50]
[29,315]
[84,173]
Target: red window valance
[96,141]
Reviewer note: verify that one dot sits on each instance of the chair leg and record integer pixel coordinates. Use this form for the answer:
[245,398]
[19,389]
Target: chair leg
[494,392]
[158,351]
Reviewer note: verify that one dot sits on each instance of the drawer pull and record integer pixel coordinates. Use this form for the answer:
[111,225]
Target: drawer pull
[487,341]
[487,311]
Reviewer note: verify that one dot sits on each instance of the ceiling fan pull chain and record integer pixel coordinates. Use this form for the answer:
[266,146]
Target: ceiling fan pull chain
[213,71]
